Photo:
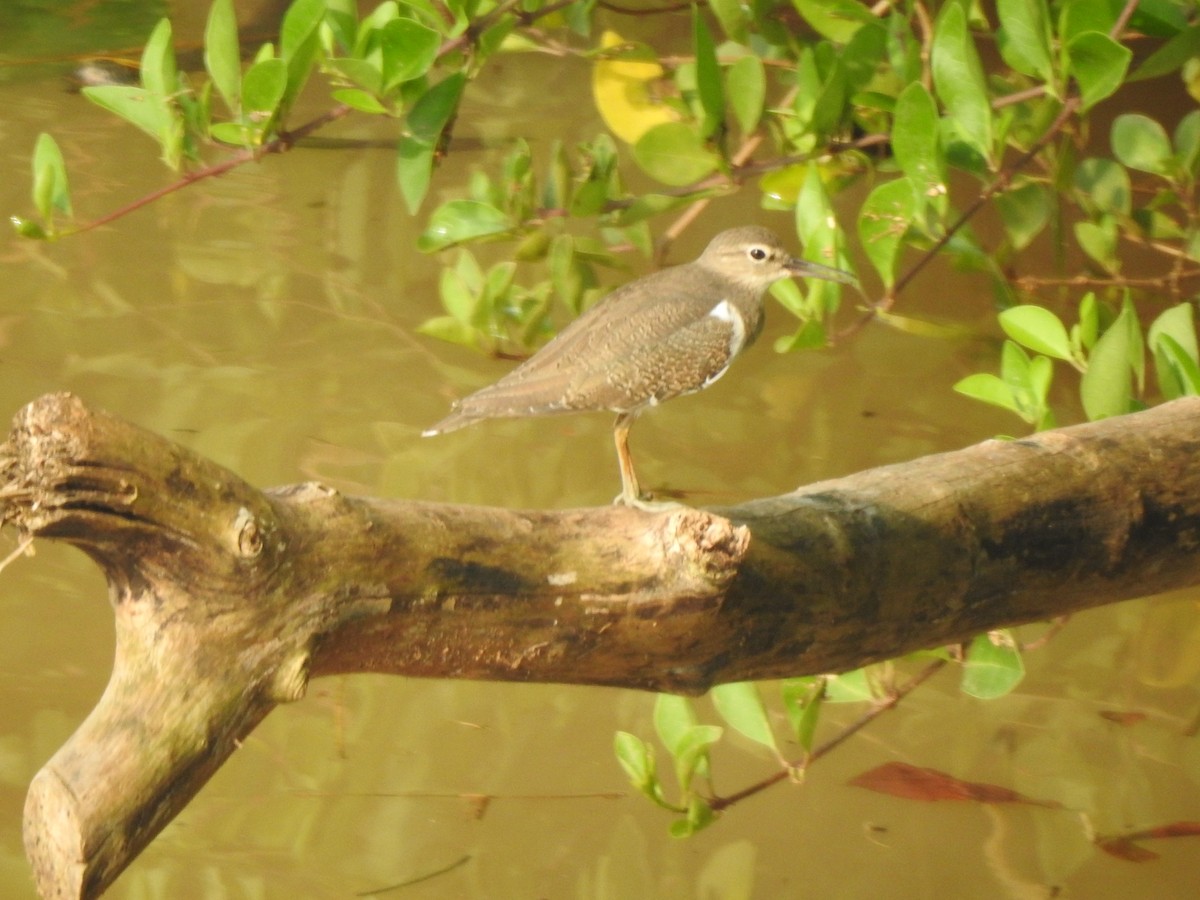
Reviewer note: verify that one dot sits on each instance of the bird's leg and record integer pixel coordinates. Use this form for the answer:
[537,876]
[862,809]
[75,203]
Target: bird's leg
[631,493]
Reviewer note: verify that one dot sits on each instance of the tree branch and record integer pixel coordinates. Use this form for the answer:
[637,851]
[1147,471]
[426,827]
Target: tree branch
[228,599]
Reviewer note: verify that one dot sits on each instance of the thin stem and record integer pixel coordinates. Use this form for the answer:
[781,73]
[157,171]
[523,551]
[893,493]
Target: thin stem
[279,144]
[891,702]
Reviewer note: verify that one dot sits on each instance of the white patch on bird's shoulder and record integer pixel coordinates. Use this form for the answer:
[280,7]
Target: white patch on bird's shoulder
[727,312]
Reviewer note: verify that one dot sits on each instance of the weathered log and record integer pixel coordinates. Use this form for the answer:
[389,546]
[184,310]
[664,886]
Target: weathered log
[229,599]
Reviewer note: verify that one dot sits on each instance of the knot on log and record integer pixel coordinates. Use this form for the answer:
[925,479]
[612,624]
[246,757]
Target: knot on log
[707,543]
[290,679]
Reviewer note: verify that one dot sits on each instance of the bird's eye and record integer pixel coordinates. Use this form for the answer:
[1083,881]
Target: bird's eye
[758,253]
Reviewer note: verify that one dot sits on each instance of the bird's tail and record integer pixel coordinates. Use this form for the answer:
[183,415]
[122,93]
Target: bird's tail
[457,419]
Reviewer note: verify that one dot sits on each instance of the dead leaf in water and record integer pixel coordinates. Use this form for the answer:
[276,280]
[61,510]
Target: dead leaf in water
[1123,847]
[898,779]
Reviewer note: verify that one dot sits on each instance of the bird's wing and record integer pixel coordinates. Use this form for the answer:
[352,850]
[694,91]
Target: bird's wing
[624,352]
[681,361]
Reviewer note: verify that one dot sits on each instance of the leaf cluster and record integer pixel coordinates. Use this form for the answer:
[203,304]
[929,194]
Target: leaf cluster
[1112,363]
[991,667]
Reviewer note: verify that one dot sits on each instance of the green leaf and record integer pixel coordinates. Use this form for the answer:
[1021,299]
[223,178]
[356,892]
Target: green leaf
[988,388]
[1171,56]
[863,56]
[133,104]
[882,223]
[1089,321]
[690,753]
[1024,37]
[1187,142]
[499,282]
[1014,366]
[1028,382]
[457,297]
[51,192]
[263,87]
[1038,329]
[451,330]
[565,273]
[360,100]
[849,687]
[342,18]
[637,759]
[469,270]
[462,220]
[915,140]
[158,62]
[1158,18]
[708,76]
[27,228]
[1177,371]
[740,704]
[1098,64]
[1105,186]
[1142,143]
[824,242]
[434,108]
[674,153]
[747,84]
[409,50]
[1177,323]
[837,20]
[1025,211]
[299,25]
[416,150]
[1080,16]
[1041,374]
[1099,241]
[958,77]
[674,717]
[299,41]
[373,23]
[733,17]
[362,72]
[699,814]
[993,666]
[1172,339]
[816,223]
[802,701]
[235,134]
[222,55]
[1106,388]
[808,336]
[828,108]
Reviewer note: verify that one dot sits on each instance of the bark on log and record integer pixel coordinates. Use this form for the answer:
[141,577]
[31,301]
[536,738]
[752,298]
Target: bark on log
[229,599]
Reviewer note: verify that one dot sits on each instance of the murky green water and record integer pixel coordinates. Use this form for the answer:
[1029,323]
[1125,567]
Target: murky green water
[267,319]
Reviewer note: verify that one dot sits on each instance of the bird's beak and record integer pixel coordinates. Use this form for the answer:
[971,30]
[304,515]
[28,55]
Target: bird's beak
[807,269]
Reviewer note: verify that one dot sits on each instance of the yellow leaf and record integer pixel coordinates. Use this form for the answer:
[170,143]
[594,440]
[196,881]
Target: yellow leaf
[621,88]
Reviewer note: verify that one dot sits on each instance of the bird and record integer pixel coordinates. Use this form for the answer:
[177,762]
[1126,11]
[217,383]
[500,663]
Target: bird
[667,334]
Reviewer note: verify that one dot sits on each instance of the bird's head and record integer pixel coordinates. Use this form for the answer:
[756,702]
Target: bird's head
[755,257]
